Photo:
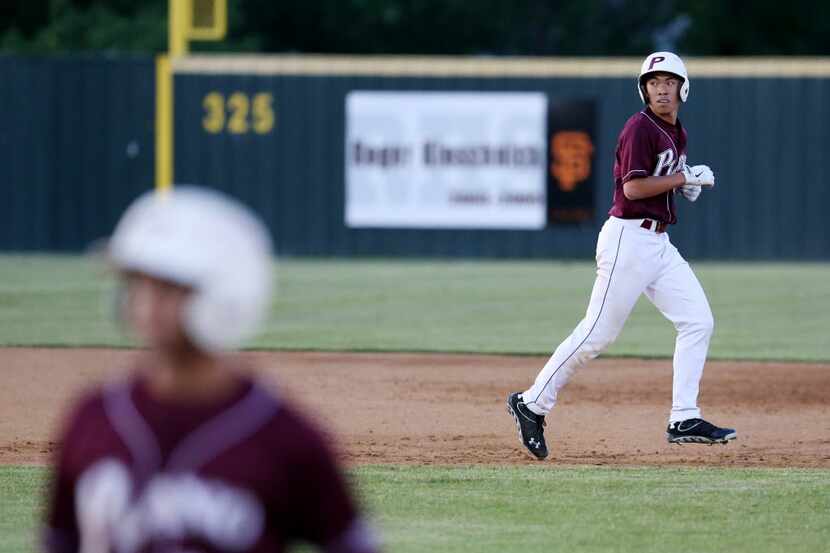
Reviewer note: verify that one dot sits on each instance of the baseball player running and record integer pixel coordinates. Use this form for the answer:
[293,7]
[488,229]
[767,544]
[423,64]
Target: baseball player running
[634,256]
[189,454]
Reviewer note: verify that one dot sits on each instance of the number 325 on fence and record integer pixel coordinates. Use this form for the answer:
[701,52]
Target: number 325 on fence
[239,113]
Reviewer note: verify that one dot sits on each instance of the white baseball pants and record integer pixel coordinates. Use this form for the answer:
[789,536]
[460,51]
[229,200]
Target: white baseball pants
[632,260]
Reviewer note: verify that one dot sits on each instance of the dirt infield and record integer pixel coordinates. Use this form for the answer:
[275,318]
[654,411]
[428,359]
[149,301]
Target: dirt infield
[449,409]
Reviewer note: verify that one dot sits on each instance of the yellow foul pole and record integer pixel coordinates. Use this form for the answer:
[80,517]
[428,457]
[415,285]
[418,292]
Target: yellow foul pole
[164,124]
[180,31]
[178,21]
[179,13]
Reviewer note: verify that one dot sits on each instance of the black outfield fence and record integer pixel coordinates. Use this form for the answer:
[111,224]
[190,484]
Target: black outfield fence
[77,145]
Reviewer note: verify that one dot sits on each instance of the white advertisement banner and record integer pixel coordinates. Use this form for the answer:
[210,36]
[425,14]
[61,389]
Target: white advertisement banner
[446,159]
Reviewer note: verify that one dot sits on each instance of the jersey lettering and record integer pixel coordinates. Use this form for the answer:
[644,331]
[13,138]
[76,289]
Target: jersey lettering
[665,160]
[171,507]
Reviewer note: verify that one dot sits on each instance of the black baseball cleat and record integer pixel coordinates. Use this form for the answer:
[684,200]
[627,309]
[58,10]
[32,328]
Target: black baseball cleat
[698,431]
[531,426]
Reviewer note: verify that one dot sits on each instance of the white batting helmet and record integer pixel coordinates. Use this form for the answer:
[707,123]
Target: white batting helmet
[206,240]
[666,62]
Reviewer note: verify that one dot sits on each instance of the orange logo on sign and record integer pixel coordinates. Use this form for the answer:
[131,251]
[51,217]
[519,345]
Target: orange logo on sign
[571,153]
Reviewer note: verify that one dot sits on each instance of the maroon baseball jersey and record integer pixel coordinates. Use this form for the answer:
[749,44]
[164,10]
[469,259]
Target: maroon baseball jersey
[647,146]
[246,474]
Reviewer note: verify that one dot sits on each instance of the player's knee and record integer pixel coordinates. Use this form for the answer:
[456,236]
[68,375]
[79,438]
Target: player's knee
[706,322]
[592,338]
[592,347]
[703,324]
[709,324]
[584,355]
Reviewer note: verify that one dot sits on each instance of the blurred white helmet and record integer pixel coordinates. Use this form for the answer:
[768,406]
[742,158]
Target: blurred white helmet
[206,240]
[666,62]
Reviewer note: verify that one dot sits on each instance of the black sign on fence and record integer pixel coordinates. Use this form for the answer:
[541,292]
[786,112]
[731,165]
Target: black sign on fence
[571,166]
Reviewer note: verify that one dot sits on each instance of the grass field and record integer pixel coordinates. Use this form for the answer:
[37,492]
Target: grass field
[762,311]
[573,509]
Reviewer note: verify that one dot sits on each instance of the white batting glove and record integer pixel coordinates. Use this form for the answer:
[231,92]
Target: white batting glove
[690,191]
[699,175]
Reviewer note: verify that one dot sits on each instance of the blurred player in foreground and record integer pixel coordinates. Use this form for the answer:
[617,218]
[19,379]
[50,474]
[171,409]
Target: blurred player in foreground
[635,257]
[189,454]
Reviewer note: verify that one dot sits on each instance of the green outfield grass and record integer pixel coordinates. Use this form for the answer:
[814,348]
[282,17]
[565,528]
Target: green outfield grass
[21,501]
[762,311]
[550,508]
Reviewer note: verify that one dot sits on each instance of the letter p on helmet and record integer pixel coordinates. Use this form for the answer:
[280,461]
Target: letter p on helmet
[655,60]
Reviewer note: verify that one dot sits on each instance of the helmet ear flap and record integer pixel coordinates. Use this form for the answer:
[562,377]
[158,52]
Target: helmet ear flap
[219,316]
[684,90]
[204,323]
[641,88]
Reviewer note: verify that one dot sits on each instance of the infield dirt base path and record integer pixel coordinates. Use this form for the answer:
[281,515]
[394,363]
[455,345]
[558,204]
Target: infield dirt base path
[450,409]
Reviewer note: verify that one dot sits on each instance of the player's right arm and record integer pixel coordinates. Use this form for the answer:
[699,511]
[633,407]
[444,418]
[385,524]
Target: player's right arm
[637,189]
[689,177]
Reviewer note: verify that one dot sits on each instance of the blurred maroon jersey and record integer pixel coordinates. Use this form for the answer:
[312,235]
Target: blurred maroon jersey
[247,474]
[647,146]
